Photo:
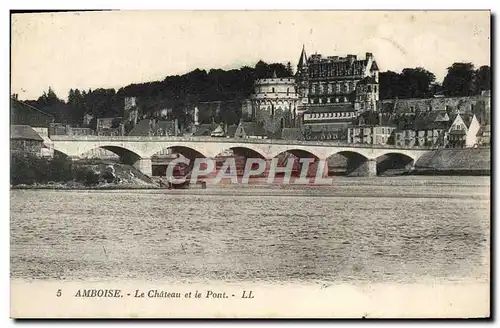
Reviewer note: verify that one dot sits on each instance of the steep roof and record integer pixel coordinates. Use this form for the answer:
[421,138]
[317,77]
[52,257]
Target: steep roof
[303,57]
[467,118]
[374,66]
[22,113]
[24,132]
[15,102]
[336,66]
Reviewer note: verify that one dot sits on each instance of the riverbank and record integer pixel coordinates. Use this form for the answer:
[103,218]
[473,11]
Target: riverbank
[463,161]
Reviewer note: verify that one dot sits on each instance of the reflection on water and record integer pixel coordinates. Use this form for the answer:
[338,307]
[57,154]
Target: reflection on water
[381,229]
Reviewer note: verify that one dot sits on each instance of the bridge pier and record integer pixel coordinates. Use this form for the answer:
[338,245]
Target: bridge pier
[367,168]
[145,166]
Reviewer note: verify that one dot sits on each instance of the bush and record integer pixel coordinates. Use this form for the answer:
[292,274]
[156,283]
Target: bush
[30,169]
[86,175]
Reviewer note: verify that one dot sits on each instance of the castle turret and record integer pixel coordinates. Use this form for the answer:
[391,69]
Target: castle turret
[302,77]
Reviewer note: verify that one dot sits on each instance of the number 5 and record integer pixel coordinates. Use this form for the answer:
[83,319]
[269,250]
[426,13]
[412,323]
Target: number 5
[59,293]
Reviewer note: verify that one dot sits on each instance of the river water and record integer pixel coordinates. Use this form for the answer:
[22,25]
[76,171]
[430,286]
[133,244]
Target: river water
[393,229]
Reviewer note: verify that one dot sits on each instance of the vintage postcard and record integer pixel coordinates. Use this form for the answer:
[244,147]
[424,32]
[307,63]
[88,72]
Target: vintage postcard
[250,164]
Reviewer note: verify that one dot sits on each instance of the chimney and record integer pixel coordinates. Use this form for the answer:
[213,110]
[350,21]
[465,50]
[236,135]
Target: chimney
[369,55]
[176,127]
[379,118]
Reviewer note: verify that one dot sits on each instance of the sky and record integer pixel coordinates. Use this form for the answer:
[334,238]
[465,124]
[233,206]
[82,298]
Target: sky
[113,49]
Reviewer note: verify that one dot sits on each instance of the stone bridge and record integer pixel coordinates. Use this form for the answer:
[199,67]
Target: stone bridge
[138,150]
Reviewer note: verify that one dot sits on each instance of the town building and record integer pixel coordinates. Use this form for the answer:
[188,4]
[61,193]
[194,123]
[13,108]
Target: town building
[327,123]
[484,135]
[130,110]
[463,131]
[155,127]
[25,140]
[110,126]
[372,128]
[68,130]
[87,119]
[422,129]
[251,130]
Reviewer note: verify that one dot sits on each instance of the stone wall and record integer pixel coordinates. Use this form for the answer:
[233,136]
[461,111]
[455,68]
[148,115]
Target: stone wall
[479,105]
[472,160]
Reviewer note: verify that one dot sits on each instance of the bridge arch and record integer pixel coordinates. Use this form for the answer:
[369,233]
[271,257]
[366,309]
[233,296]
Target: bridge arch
[296,150]
[395,162]
[291,158]
[125,155]
[346,162]
[186,151]
[244,151]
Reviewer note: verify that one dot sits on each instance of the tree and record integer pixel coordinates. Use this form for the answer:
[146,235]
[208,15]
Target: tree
[458,81]
[416,83]
[390,86]
[482,79]
[261,70]
[76,106]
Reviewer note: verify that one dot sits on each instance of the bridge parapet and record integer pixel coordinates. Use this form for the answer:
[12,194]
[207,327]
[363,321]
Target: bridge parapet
[167,139]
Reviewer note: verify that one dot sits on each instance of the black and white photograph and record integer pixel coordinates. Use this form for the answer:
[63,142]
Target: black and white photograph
[250,164]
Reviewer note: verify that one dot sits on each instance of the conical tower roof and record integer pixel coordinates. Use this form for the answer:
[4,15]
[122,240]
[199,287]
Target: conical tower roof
[303,57]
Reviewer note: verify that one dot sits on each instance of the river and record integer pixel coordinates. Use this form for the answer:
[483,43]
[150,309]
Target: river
[393,229]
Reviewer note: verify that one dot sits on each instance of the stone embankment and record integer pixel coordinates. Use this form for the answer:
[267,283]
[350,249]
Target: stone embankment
[466,161]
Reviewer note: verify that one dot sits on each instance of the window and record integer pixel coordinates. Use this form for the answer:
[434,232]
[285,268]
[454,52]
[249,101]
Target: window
[273,90]
[383,131]
[375,88]
[287,91]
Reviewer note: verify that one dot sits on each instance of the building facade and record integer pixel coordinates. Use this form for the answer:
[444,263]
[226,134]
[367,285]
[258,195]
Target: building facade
[327,123]
[333,91]
[372,128]
[25,140]
[335,79]
[463,131]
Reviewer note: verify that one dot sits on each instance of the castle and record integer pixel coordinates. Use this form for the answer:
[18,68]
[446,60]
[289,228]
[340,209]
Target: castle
[324,97]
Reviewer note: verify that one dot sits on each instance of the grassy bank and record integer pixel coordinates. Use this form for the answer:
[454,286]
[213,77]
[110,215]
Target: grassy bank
[466,161]
[31,172]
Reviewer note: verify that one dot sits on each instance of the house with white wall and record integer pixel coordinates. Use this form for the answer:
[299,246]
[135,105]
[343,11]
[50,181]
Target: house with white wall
[463,131]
